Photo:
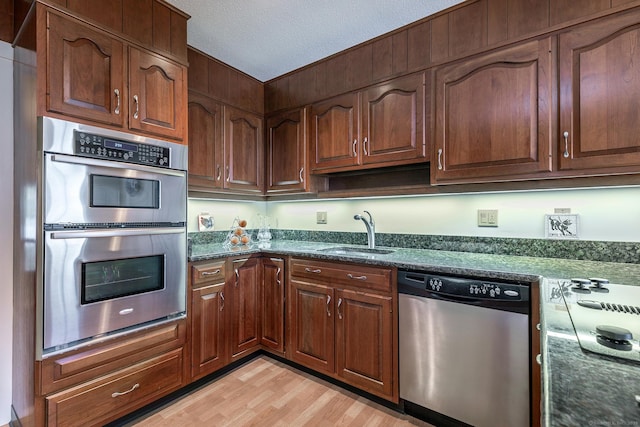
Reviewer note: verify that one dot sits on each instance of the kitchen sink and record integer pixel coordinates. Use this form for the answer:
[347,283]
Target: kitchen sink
[350,250]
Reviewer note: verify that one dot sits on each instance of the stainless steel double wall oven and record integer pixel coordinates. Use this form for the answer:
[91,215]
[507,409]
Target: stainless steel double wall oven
[114,224]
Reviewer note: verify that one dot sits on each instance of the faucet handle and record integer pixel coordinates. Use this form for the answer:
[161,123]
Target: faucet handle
[370,217]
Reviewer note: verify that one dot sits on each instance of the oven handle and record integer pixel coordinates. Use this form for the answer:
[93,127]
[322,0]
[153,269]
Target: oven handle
[85,161]
[111,232]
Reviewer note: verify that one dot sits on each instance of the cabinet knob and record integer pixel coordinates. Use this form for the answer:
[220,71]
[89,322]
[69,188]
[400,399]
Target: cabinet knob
[566,144]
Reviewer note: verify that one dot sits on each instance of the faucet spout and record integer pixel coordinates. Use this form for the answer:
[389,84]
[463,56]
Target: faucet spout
[371,228]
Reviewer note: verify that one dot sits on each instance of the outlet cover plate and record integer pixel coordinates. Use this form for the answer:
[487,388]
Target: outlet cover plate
[487,217]
[321,217]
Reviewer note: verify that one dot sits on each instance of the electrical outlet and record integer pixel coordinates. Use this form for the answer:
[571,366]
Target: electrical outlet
[487,217]
[321,217]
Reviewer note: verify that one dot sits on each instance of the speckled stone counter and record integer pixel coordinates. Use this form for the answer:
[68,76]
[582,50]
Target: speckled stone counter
[579,389]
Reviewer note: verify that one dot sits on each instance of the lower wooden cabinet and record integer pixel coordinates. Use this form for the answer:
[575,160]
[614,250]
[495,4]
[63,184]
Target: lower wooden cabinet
[243,319]
[271,304]
[343,322]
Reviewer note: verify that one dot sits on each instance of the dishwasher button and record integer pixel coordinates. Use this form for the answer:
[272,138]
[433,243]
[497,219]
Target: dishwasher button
[511,293]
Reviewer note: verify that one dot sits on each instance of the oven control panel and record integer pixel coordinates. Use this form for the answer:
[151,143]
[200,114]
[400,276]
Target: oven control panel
[101,147]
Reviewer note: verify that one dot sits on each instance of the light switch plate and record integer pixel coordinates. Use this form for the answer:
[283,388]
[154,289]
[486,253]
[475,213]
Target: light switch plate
[487,217]
[321,217]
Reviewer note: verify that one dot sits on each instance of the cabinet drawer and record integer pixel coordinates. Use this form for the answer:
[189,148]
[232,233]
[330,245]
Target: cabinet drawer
[207,273]
[353,275]
[115,395]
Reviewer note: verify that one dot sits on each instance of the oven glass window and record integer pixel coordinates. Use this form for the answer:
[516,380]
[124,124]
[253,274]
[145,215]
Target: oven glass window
[104,280]
[121,192]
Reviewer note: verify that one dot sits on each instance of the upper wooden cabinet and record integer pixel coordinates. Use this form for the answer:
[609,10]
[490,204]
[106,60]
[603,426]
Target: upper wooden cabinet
[600,96]
[243,151]
[380,126]
[88,75]
[287,169]
[206,150]
[494,115]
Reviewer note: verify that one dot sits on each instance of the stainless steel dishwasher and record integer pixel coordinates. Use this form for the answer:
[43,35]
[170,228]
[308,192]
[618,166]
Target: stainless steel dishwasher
[464,350]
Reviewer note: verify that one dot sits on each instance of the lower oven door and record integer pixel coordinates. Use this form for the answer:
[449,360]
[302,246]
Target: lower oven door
[101,281]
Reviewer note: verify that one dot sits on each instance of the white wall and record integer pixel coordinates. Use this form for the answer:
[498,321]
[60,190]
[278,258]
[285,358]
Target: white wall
[6,227]
[224,212]
[608,214]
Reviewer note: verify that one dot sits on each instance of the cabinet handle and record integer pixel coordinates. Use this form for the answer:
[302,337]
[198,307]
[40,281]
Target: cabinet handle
[221,300]
[339,304]
[121,393]
[309,270]
[355,145]
[228,174]
[218,176]
[135,101]
[539,359]
[328,301]
[351,276]
[210,273]
[301,177]
[364,146]
[278,276]
[237,277]
[566,144]
[439,159]
[117,92]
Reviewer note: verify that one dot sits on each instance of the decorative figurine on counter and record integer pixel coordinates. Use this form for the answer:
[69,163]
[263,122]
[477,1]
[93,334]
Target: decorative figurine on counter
[238,235]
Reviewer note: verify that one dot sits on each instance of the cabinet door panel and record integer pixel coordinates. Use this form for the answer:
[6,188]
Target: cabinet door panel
[85,73]
[287,151]
[244,150]
[364,340]
[156,93]
[207,337]
[205,142]
[600,94]
[334,133]
[393,121]
[243,296]
[493,115]
[312,326]
[272,304]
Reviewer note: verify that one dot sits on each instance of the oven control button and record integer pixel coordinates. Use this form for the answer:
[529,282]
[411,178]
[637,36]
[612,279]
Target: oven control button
[590,304]
[511,293]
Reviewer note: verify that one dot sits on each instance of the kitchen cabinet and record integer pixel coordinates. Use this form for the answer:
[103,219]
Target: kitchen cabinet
[600,96]
[243,150]
[206,151]
[94,76]
[287,169]
[243,299]
[494,114]
[272,291]
[343,322]
[208,338]
[383,125]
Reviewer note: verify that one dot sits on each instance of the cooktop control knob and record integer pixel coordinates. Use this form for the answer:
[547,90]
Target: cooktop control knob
[580,285]
[614,337]
[597,284]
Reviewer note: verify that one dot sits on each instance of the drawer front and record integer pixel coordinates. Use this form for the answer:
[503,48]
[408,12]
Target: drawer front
[352,275]
[207,273]
[111,397]
[78,366]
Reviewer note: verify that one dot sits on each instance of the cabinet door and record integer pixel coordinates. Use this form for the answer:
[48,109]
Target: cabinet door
[494,115]
[393,121]
[157,91]
[312,326]
[600,95]
[243,296]
[207,330]
[206,154]
[334,133]
[272,304]
[244,150]
[287,152]
[364,341]
[85,73]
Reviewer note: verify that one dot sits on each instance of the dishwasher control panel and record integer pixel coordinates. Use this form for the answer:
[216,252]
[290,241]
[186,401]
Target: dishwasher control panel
[461,287]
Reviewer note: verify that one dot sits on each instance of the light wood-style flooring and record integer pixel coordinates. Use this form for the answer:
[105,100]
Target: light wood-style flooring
[265,392]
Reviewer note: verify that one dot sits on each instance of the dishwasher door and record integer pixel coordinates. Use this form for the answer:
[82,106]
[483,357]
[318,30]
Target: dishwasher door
[465,362]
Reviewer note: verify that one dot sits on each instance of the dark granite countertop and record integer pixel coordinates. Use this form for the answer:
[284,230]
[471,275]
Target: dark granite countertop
[579,389]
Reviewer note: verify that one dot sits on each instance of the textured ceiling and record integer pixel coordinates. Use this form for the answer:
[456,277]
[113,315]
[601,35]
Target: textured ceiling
[268,38]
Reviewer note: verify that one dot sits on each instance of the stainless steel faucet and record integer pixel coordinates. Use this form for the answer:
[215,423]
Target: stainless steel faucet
[371,228]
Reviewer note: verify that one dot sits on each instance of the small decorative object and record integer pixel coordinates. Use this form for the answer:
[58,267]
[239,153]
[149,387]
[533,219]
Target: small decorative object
[264,233]
[205,222]
[561,226]
[238,235]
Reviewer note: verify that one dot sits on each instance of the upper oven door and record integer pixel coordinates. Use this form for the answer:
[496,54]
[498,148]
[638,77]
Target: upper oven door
[83,190]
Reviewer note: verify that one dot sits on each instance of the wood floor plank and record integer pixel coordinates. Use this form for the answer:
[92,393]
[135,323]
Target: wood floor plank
[266,392]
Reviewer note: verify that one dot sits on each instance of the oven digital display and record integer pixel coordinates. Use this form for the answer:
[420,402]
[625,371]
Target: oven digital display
[119,145]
